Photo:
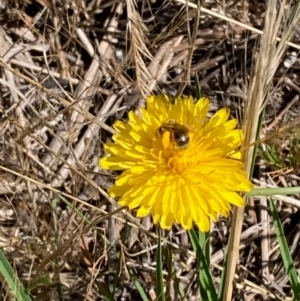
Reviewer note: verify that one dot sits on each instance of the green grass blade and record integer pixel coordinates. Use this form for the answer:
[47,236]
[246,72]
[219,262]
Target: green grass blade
[294,13]
[285,253]
[198,89]
[138,285]
[12,280]
[159,274]
[207,289]
[204,245]
[273,191]
[116,278]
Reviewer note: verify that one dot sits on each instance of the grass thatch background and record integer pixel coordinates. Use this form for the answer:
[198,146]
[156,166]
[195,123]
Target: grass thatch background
[69,69]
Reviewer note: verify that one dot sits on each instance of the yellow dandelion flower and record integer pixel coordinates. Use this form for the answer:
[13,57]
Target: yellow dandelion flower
[177,164]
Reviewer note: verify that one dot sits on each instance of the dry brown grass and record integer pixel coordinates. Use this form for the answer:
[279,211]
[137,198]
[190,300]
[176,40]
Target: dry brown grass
[69,69]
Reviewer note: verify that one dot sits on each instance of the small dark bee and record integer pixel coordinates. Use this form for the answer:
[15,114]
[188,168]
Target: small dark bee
[179,133]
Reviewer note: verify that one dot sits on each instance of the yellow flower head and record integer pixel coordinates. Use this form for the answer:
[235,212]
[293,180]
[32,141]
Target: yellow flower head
[178,165]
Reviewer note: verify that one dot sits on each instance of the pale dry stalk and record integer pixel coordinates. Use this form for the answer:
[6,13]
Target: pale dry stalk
[266,63]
